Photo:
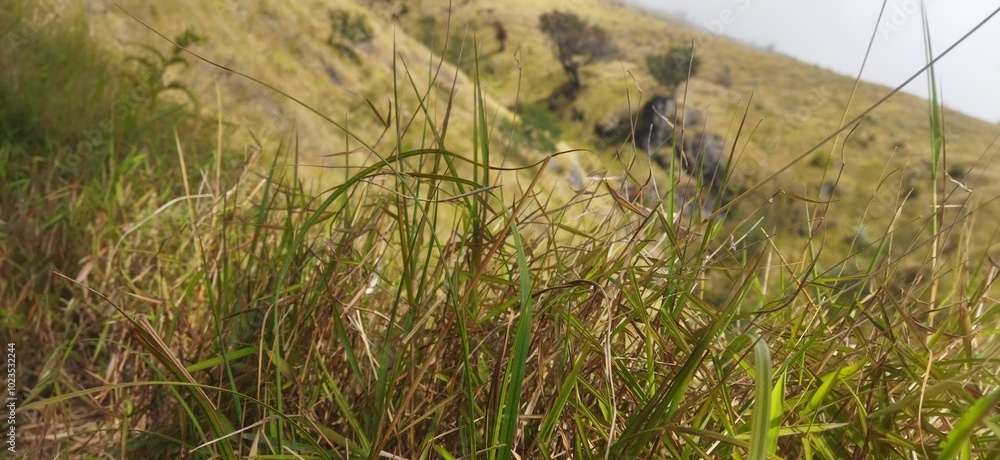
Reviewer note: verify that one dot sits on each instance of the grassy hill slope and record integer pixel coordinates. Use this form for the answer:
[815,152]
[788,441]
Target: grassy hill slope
[794,105]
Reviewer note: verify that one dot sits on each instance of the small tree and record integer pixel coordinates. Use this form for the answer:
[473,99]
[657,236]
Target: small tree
[501,34]
[673,67]
[576,42]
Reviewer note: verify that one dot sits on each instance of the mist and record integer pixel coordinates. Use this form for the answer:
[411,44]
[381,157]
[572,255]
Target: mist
[835,35]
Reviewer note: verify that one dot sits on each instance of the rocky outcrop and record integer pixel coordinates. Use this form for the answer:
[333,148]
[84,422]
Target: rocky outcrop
[613,129]
[701,156]
[653,126]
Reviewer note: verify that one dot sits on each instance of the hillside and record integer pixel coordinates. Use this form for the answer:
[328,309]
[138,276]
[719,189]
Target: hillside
[794,105]
[394,229]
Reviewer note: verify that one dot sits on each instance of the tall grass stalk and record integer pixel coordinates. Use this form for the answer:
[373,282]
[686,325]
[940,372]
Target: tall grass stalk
[936,132]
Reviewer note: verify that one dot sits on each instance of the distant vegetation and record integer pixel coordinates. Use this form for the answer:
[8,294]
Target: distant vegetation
[673,67]
[347,31]
[576,43]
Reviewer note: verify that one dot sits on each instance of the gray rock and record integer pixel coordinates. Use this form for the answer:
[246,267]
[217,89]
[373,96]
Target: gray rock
[653,125]
[703,155]
[613,128]
[827,191]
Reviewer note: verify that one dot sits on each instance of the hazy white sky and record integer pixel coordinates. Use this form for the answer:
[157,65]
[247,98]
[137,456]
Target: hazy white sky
[835,34]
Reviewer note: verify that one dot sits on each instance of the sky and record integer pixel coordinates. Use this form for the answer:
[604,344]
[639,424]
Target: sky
[835,34]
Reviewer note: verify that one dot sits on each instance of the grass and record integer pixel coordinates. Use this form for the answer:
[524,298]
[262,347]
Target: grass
[438,302]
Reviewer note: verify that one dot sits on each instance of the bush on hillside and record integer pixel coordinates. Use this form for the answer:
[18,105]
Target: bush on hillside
[576,43]
[347,31]
[672,68]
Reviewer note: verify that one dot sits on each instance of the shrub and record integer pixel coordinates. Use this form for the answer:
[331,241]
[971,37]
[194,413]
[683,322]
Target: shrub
[577,43]
[670,69]
[725,78]
[818,160]
[350,27]
[957,171]
[348,30]
[501,34]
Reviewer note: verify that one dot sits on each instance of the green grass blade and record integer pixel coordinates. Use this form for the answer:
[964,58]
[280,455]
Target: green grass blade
[829,382]
[217,360]
[519,355]
[958,437]
[661,408]
[760,432]
[777,412]
[555,411]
